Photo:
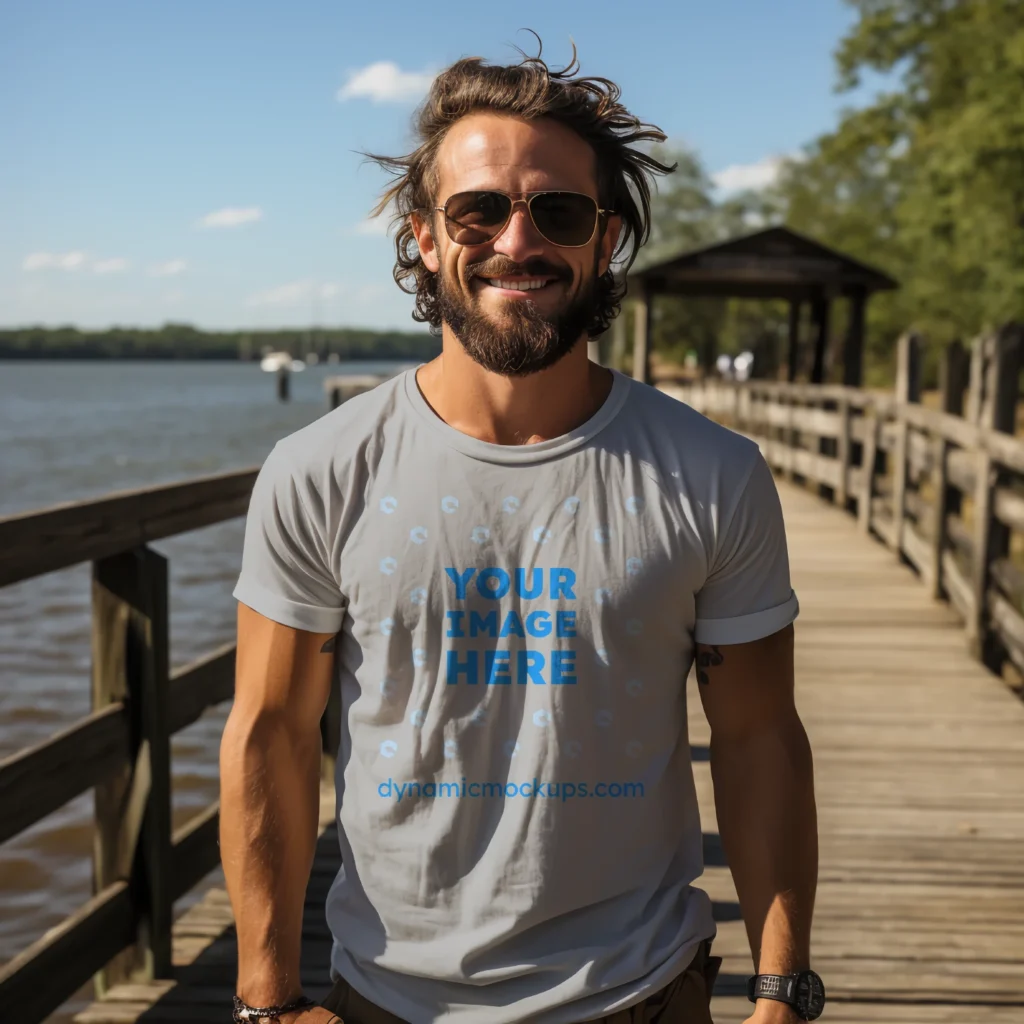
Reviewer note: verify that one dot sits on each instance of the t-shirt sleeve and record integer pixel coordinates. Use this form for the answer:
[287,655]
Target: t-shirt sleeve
[286,572]
[748,594]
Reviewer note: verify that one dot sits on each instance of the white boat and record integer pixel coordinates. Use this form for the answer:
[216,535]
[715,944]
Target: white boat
[274,361]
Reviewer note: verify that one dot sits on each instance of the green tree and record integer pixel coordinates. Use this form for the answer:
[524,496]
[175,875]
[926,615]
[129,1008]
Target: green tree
[927,181]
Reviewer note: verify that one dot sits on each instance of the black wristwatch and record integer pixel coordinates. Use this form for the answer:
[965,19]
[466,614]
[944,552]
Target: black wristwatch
[803,991]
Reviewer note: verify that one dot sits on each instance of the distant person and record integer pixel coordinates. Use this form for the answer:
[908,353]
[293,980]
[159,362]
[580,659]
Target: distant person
[507,560]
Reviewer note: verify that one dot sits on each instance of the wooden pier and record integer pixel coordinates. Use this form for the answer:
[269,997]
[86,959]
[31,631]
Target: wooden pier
[901,523]
[919,756]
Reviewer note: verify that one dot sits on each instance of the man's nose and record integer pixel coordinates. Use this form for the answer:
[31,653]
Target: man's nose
[520,240]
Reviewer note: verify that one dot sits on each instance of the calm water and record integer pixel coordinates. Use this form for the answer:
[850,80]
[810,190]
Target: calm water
[77,430]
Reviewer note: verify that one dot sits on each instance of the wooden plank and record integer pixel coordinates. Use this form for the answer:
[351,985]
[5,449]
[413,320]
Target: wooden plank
[908,390]
[920,509]
[809,465]
[961,467]
[981,538]
[38,780]
[843,448]
[882,522]
[1008,507]
[151,693]
[820,422]
[920,453]
[960,536]
[133,809]
[199,685]
[113,851]
[53,968]
[642,323]
[33,543]
[1010,580]
[939,511]
[917,550]
[1008,624]
[867,463]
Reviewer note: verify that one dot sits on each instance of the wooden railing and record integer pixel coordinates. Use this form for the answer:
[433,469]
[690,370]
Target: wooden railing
[943,488]
[122,749]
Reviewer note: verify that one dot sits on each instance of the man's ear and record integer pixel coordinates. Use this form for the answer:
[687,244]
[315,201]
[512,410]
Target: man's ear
[424,233]
[606,246]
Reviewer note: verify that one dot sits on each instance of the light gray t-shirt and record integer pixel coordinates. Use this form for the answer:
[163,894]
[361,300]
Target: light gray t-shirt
[516,806]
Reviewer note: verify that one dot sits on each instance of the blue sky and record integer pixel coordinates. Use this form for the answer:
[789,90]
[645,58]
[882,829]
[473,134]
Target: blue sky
[197,161]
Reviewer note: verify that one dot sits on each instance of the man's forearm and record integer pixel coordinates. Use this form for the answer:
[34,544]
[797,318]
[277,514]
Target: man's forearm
[764,799]
[268,825]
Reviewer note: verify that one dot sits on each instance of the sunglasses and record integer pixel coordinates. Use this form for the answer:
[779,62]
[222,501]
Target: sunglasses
[567,219]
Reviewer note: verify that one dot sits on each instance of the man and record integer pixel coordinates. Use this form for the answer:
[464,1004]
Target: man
[508,560]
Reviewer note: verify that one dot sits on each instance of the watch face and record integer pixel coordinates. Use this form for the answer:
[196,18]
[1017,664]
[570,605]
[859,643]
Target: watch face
[810,995]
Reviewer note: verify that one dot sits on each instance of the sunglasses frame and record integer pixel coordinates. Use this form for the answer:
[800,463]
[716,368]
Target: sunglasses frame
[526,199]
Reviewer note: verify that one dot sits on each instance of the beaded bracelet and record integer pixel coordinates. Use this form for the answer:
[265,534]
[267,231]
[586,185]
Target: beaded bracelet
[243,1012]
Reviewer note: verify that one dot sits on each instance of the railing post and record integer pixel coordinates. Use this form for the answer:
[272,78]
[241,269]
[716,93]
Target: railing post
[642,310]
[869,456]
[908,390]
[790,435]
[133,810]
[843,452]
[953,376]
[1001,359]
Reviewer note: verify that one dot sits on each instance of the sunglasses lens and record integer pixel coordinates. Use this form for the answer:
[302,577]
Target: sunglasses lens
[565,218]
[473,218]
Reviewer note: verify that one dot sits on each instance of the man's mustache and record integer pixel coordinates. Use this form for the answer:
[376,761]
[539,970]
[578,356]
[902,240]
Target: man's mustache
[497,267]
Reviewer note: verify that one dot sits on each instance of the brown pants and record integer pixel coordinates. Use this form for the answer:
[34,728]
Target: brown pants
[684,1000]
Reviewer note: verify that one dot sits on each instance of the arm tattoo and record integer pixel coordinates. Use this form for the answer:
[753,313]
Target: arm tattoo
[707,657]
[329,645]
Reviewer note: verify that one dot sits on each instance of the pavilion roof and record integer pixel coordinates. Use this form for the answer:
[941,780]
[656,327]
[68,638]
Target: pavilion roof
[776,262]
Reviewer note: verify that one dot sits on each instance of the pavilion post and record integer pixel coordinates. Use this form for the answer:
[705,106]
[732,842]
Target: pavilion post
[794,339]
[820,311]
[853,351]
[642,337]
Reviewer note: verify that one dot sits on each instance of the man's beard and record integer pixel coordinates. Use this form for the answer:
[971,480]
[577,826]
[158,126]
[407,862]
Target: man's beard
[521,340]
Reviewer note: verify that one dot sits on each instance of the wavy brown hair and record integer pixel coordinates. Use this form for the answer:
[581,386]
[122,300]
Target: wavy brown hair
[528,90]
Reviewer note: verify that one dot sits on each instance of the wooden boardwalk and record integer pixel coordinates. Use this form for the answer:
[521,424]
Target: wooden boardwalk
[919,763]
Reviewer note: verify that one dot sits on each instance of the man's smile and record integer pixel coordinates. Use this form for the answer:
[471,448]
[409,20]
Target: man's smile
[517,287]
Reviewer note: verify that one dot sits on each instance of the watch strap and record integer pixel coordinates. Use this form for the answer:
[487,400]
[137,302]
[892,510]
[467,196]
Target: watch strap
[773,986]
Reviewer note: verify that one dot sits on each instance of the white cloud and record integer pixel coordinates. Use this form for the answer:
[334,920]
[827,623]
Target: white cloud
[168,269]
[112,266]
[372,226]
[53,261]
[303,293]
[283,295]
[385,82]
[739,177]
[231,217]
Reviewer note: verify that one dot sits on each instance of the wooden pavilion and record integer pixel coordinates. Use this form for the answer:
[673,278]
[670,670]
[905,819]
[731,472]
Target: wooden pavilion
[776,263]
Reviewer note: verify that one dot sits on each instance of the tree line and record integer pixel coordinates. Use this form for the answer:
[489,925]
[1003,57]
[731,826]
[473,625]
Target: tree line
[926,182]
[183,341]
